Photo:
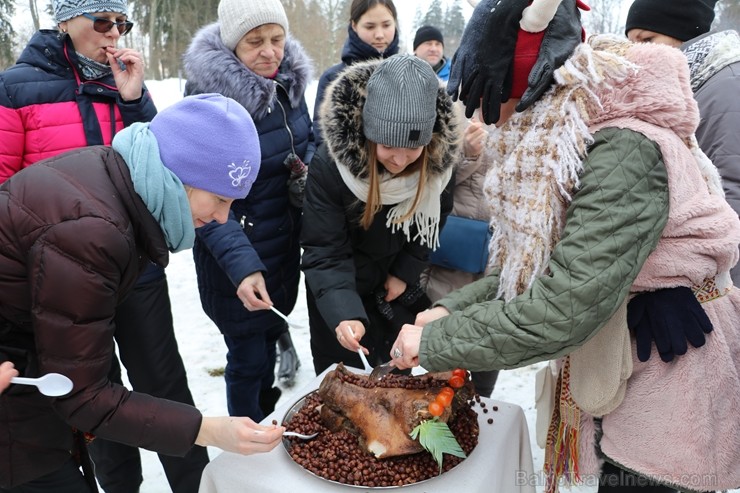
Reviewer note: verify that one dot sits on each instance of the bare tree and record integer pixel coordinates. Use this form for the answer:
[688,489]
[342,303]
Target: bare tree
[604,17]
[7,34]
[33,8]
[728,15]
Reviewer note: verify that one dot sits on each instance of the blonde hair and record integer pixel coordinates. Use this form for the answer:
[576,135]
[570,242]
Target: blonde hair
[374,203]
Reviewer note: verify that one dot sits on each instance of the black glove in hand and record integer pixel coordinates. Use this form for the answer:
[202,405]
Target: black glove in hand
[669,317]
[485,56]
[384,307]
[562,35]
[464,61]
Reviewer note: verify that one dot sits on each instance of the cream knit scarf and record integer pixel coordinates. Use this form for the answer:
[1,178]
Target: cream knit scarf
[538,156]
[401,191]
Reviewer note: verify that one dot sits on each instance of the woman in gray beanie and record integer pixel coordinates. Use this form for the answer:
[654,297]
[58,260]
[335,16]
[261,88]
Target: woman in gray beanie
[77,229]
[74,87]
[377,194]
[252,262]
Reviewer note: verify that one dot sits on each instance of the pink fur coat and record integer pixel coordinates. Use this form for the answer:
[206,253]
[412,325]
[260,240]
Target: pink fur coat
[679,422]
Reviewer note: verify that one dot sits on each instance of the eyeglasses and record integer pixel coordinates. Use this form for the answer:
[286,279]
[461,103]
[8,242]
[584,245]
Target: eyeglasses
[103,25]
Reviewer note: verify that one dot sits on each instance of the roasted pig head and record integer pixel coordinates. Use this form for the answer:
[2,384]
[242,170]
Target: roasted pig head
[382,414]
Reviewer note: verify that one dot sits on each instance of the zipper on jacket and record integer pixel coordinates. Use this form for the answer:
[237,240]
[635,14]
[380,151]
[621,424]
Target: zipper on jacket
[112,107]
[285,118]
[246,226]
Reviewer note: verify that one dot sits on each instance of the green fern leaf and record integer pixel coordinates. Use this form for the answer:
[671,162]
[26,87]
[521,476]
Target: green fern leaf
[437,439]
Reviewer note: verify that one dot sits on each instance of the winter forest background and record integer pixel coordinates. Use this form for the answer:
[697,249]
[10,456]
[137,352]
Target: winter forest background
[164,28]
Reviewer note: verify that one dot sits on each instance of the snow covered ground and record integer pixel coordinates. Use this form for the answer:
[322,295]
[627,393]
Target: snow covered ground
[203,349]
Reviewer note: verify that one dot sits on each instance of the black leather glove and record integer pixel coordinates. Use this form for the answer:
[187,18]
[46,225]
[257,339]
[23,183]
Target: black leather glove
[562,35]
[482,63]
[669,317]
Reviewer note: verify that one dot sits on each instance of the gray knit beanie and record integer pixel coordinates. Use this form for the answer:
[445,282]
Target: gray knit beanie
[237,17]
[401,105]
[67,9]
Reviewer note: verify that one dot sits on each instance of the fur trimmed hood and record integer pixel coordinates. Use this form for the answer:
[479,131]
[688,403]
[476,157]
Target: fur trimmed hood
[211,67]
[341,122]
[644,81]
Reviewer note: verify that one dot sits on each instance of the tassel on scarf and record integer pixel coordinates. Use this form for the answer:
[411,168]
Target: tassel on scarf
[561,450]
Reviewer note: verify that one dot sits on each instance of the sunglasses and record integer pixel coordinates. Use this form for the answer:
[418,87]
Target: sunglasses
[102,25]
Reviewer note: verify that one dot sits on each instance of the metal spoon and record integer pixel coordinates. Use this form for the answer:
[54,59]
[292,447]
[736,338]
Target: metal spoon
[51,384]
[292,434]
[300,435]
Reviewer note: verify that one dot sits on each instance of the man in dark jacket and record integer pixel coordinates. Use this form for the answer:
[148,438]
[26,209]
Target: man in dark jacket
[429,45]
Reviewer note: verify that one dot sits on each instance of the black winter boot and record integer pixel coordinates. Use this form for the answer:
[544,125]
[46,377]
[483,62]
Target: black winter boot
[289,362]
[268,399]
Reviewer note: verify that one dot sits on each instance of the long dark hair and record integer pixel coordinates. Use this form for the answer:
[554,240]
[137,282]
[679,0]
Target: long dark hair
[359,7]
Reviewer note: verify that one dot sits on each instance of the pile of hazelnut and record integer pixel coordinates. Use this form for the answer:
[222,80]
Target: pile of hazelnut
[338,456]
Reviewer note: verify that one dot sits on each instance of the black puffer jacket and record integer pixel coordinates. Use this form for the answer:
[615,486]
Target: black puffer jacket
[344,263]
[74,236]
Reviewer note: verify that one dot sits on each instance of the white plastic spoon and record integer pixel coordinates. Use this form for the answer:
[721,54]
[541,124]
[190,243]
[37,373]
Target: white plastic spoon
[285,317]
[365,363]
[51,384]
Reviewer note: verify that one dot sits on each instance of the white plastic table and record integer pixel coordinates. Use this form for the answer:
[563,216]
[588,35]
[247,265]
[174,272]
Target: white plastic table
[501,462]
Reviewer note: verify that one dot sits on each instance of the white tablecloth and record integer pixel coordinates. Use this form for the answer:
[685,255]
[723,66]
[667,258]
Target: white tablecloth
[497,464]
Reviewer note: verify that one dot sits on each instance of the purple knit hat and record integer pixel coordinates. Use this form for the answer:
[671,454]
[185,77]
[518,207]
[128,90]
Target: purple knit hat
[209,141]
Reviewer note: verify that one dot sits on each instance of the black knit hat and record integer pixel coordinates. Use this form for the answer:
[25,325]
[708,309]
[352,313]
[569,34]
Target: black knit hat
[680,19]
[428,33]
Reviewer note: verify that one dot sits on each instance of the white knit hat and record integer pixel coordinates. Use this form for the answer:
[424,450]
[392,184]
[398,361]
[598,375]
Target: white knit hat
[238,17]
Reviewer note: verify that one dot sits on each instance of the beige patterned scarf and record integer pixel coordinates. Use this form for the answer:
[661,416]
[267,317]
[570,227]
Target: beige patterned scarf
[539,156]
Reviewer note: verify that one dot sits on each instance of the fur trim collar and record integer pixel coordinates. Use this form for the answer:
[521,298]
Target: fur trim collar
[341,123]
[211,67]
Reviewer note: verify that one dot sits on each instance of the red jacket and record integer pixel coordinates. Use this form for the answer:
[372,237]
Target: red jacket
[47,108]
[74,236]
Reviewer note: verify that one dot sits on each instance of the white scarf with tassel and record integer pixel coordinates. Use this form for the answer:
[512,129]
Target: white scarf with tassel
[401,191]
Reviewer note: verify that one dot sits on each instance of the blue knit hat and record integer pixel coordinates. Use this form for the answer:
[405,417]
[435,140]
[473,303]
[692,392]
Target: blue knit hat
[209,141]
[67,9]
